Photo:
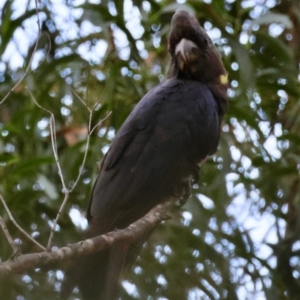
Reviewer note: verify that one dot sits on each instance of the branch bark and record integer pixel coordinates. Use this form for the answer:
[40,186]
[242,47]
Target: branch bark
[25,262]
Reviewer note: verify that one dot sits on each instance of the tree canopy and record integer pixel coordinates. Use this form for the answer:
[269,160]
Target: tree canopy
[70,73]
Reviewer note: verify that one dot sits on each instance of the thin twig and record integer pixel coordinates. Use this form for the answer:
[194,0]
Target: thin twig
[41,247]
[87,147]
[60,173]
[67,194]
[80,99]
[69,191]
[8,236]
[53,141]
[84,103]
[101,121]
[27,70]
[53,227]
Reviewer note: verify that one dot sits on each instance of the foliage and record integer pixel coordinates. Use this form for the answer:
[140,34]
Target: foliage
[238,236]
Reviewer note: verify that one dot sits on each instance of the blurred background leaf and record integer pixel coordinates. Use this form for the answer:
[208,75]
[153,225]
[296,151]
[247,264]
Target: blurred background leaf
[238,235]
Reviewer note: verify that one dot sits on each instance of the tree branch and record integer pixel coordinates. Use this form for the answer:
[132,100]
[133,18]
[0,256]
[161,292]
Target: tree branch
[25,262]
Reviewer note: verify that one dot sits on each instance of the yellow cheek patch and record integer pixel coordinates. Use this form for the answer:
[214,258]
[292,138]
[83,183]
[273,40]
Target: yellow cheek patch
[223,79]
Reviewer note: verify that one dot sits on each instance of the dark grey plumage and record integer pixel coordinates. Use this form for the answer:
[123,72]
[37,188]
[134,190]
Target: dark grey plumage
[155,154]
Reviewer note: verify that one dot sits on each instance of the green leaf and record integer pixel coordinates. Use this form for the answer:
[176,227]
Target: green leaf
[9,26]
[30,165]
[271,18]
[246,70]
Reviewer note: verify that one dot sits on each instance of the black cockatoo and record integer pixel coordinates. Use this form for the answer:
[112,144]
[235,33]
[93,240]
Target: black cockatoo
[155,155]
